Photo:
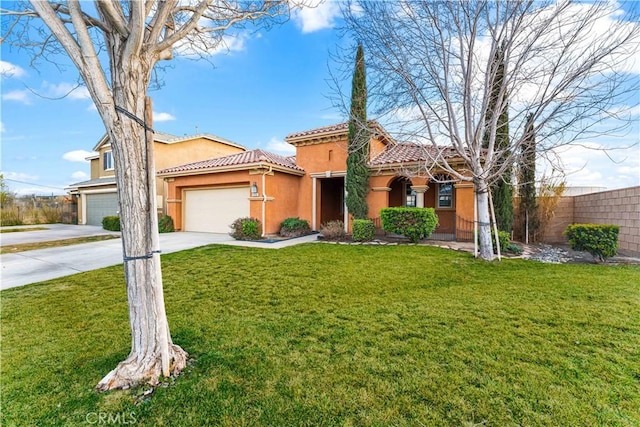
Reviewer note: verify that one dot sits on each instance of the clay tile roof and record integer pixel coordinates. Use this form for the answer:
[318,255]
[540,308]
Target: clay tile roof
[238,159]
[320,130]
[410,152]
[335,128]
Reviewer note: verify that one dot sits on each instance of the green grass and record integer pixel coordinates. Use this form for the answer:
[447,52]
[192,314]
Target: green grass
[22,247]
[18,230]
[338,335]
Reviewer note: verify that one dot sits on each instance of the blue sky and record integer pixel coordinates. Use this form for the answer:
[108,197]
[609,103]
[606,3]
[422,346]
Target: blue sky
[269,84]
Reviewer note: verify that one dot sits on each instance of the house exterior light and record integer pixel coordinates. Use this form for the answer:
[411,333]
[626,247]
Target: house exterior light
[254,190]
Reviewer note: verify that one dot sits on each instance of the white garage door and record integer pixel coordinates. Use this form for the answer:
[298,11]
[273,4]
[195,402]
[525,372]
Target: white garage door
[213,210]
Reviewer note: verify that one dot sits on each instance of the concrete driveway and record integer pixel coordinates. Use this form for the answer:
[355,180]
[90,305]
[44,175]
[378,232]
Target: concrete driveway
[52,232]
[23,268]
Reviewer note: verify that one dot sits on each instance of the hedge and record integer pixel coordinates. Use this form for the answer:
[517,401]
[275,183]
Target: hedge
[600,240]
[363,230]
[111,223]
[413,223]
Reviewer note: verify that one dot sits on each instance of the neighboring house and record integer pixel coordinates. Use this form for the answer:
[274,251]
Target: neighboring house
[98,197]
[209,195]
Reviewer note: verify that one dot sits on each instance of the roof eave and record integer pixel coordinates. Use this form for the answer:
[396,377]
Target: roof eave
[233,168]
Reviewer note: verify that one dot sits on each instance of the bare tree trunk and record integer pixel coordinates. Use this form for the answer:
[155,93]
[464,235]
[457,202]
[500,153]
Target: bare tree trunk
[152,351]
[484,219]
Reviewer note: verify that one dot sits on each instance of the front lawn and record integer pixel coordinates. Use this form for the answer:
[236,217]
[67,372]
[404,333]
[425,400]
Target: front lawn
[337,335]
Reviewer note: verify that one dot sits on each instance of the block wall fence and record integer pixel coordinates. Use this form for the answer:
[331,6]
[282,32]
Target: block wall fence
[620,207]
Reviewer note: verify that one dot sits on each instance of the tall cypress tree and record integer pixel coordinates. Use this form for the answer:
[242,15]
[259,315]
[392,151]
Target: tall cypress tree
[357,181]
[502,189]
[528,208]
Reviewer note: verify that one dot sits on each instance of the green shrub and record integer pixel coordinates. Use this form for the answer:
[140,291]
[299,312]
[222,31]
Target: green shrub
[600,240]
[413,223]
[503,237]
[246,229]
[333,230]
[363,230]
[294,227]
[111,223]
[165,224]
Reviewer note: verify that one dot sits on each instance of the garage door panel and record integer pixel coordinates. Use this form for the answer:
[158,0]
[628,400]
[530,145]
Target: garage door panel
[101,205]
[213,210]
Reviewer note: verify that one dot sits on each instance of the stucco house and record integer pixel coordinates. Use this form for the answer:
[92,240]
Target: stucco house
[97,196]
[209,195]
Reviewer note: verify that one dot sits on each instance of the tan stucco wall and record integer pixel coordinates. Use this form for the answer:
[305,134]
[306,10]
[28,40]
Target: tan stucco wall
[169,155]
[95,168]
[284,189]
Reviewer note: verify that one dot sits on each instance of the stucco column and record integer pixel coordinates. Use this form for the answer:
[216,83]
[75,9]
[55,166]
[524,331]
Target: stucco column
[314,187]
[420,190]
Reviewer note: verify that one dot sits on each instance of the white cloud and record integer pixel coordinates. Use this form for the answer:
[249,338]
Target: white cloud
[589,165]
[10,70]
[20,176]
[79,175]
[319,15]
[281,147]
[162,117]
[18,95]
[77,155]
[64,89]
[208,45]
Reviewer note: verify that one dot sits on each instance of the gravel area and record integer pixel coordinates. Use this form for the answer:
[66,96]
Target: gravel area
[564,254]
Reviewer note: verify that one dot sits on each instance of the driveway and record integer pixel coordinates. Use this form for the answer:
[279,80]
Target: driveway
[52,232]
[23,268]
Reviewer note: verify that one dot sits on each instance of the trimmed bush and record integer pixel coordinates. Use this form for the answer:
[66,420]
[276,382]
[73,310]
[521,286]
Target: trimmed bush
[165,224]
[333,230]
[294,227]
[412,223]
[111,223]
[600,240]
[246,229]
[363,230]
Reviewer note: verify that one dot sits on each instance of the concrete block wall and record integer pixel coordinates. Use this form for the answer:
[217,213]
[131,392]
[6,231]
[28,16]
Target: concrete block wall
[620,207]
[562,217]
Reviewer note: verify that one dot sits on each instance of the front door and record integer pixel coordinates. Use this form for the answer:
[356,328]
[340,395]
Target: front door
[331,199]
